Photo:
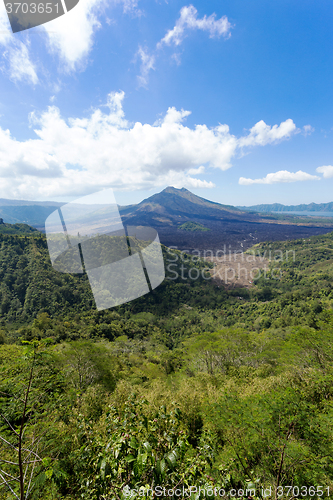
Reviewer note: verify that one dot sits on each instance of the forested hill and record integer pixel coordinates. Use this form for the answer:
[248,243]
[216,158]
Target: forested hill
[190,385]
[15,229]
[29,285]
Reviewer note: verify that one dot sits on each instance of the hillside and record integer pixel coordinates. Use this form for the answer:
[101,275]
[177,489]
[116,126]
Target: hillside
[15,229]
[29,285]
[229,389]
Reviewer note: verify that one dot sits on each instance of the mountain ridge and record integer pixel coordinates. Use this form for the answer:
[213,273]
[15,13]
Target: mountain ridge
[7,202]
[227,226]
[172,206]
[279,207]
[170,209]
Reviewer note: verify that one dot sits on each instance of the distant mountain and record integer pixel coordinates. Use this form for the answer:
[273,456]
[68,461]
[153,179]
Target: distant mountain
[171,206]
[18,203]
[277,207]
[228,226]
[175,206]
[34,215]
[172,209]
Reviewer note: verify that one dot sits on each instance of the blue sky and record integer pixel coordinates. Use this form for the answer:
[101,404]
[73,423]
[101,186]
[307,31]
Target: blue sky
[230,99]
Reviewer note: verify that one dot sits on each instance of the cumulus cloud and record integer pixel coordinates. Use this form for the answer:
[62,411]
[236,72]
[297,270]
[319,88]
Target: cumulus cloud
[326,170]
[17,63]
[262,134]
[197,171]
[76,156]
[188,20]
[278,177]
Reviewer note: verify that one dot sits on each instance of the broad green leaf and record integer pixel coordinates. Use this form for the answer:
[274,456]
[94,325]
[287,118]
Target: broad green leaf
[147,446]
[161,467]
[134,443]
[171,458]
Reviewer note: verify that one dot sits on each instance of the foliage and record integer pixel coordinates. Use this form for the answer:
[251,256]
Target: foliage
[193,226]
[17,229]
[191,385]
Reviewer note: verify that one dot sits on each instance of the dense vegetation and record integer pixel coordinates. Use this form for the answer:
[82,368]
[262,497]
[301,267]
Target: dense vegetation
[193,226]
[189,386]
[16,228]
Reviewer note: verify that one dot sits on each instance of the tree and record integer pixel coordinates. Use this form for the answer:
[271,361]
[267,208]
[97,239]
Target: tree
[279,437]
[22,432]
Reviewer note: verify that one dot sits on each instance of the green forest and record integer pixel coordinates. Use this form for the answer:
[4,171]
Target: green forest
[191,391]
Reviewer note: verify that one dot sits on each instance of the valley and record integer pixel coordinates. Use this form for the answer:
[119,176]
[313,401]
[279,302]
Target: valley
[207,381]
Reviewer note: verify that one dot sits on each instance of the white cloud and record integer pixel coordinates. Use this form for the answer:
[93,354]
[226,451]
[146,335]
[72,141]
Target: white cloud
[5,32]
[131,6]
[262,134]
[176,58]
[20,66]
[326,170]
[278,177]
[81,155]
[188,20]
[197,171]
[308,130]
[147,64]
[71,36]
[16,57]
